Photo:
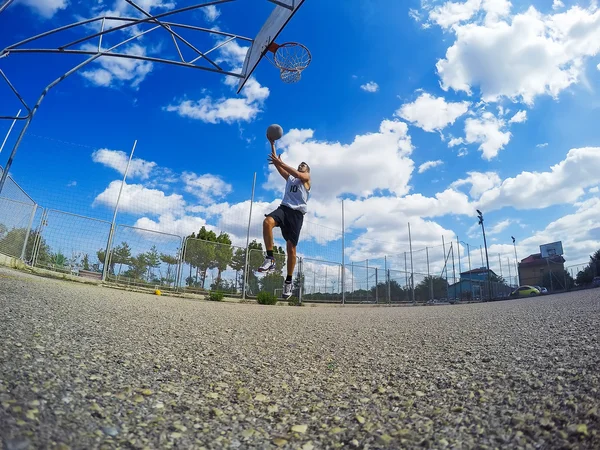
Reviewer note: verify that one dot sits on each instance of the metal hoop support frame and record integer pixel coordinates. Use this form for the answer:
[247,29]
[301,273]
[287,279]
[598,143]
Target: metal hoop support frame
[291,58]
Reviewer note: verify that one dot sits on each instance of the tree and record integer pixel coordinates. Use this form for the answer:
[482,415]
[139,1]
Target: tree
[255,259]
[12,241]
[170,261]
[494,278]
[586,276]
[238,263]
[200,253]
[138,266]
[223,255]
[439,286]
[152,261]
[121,254]
[58,259]
[86,262]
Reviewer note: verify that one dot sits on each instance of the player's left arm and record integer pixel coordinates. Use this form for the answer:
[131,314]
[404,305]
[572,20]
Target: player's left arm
[304,176]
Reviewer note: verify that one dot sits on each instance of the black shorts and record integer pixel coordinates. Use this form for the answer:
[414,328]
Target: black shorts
[290,222]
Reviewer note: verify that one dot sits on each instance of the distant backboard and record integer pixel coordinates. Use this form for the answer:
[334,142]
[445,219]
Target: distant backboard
[277,21]
[552,249]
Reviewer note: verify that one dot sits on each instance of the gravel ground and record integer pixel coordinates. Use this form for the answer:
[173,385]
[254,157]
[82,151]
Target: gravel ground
[89,367]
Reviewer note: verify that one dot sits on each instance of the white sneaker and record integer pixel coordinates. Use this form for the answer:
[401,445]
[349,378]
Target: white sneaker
[287,290]
[268,264]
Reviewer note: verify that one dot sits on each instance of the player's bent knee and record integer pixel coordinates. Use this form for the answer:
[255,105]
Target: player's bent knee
[269,221]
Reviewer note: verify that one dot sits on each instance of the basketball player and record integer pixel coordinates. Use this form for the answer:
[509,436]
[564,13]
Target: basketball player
[288,216]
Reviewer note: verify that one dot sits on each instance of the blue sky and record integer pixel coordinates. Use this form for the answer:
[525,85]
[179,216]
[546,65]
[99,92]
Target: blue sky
[412,111]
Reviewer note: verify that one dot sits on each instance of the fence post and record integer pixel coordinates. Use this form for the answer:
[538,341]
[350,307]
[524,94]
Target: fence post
[367,280]
[181,261]
[376,287]
[112,225]
[387,281]
[301,284]
[248,241]
[459,269]
[343,258]
[429,275]
[412,270]
[37,244]
[33,211]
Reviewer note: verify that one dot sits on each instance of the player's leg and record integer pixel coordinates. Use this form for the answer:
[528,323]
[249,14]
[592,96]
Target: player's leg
[272,220]
[269,262]
[291,265]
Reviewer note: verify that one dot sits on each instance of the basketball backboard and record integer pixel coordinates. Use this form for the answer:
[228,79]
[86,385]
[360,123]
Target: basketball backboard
[552,249]
[276,22]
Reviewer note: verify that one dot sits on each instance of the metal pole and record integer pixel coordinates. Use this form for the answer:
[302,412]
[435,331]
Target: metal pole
[248,240]
[343,258]
[301,285]
[376,286]
[500,261]
[352,273]
[445,267]
[9,131]
[459,269]
[481,251]
[470,273]
[517,264]
[453,268]
[487,260]
[28,231]
[509,274]
[43,95]
[428,275]
[367,280]
[412,270]
[387,280]
[112,226]
[5,5]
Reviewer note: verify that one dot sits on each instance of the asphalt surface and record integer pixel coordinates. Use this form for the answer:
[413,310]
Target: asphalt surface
[87,367]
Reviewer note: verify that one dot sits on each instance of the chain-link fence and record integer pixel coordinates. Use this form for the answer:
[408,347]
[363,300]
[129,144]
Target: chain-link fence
[148,257]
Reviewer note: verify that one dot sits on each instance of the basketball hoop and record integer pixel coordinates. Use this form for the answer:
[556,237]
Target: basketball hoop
[291,59]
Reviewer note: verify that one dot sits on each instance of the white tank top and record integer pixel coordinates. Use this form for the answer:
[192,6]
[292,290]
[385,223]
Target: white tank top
[296,194]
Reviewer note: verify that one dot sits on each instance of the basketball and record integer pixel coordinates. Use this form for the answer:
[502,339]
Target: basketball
[274,132]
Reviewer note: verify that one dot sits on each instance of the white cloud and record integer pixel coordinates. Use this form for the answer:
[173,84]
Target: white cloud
[564,183]
[594,190]
[211,13]
[452,13]
[528,55]
[45,8]
[372,162]
[72,184]
[171,224]
[116,71]
[557,4]
[455,141]
[462,152]
[228,110]
[205,187]
[429,165]
[479,182]
[432,113]
[487,131]
[137,199]
[519,117]
[116,159]
[499,227]
[545,144]
[371,86]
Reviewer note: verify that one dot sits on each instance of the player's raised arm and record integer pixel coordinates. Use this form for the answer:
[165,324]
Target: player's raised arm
[277,162]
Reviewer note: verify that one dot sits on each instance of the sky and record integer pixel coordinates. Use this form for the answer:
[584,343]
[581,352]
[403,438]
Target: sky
[415,112]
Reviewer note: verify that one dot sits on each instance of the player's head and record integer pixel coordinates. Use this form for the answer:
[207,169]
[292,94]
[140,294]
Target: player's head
[303,167]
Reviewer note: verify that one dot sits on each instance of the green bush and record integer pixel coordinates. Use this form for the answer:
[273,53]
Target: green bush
[216,296]
[264,298]
[293,301]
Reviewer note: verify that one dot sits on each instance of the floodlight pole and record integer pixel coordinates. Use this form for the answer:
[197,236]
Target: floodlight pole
[113,223]
[516,260]
[487,260]
[343,257]
[9,131]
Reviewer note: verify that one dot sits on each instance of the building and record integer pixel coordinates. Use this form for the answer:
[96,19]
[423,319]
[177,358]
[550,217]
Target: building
[473,284]
[533,268]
